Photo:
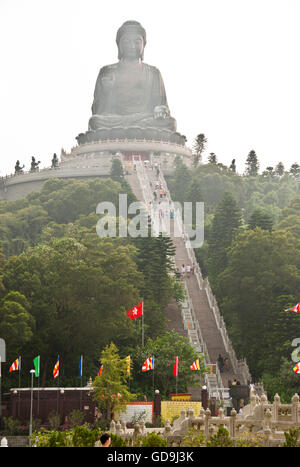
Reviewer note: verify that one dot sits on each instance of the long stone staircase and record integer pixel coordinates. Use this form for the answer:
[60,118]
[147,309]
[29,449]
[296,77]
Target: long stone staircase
[200,319]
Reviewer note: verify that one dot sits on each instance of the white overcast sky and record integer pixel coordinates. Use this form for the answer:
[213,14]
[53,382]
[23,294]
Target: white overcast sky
[230,67]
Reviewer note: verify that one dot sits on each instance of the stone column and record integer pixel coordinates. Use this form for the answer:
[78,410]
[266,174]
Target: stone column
[267,418]
[276,407]
[113,427]
[157,404]
[232,423]
[118,429]
[206,422]
[204,398]
[295,404]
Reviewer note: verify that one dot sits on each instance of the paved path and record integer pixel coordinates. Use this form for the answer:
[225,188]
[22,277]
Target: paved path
[209,329]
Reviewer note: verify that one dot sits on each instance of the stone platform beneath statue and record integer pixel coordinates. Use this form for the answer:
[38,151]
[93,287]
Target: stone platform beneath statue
[165,150]
[131,133]
[93,160]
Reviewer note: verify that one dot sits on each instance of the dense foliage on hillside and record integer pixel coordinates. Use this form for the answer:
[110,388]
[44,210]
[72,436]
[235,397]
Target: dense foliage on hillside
[65,291]
[251,255]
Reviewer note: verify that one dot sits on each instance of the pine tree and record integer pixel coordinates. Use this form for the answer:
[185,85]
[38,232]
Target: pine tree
[212,158]
[262,219]
[199,146]
[233,166]
[225,225]
[269,171]
[182,179]
[295,170]
[279,169]
[116,171]
[252,164]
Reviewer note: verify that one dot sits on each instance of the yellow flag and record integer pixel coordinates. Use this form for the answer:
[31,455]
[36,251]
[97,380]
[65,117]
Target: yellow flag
[128,360]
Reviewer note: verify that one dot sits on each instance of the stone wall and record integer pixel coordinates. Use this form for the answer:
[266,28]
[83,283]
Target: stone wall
[260,418]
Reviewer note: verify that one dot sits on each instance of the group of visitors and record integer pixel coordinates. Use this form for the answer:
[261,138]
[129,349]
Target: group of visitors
[187,270]
[159,192]
[152,166]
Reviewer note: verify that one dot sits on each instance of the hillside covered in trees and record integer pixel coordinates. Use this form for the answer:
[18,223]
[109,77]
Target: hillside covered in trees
[251,255]
[66,291]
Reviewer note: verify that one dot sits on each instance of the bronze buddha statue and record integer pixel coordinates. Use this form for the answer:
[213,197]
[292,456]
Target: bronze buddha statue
[129,96]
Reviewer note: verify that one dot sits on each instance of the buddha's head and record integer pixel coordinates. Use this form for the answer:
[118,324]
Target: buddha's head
[131,41]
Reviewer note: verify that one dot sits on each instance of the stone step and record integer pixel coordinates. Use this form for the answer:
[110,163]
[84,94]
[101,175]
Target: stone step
[179,320]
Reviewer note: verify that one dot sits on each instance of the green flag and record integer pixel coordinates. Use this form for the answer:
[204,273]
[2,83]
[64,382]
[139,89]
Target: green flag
[36,362]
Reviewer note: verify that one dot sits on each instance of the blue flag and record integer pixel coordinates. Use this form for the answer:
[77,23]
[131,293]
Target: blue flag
[80,366]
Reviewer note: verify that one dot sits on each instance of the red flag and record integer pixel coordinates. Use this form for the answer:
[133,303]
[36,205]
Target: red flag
[136,311]
[100,371]
[175,367]
[295,308]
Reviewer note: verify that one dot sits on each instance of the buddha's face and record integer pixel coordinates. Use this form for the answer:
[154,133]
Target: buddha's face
[131,46]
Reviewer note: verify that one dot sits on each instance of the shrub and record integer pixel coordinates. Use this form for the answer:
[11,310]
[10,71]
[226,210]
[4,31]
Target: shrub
[76,418]
[83,437]
[193,438]
[103,425]
[221,439]
[117,441]
[58,439]
[11,426]
[291,438]
[54,420]
[250,441]
[153,440]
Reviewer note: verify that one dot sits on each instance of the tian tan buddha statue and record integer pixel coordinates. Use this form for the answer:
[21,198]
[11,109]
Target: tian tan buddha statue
[130,99]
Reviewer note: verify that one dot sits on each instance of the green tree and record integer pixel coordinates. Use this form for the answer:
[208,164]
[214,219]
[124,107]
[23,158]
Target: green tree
[164,349]
[16,323]
[262,266]
[262,219]
[282,380]
[116,171]
[233,165]
[269,171]
[78,295]
[199,147]
[295,170]
[279,169]
[212,158]
[182,178]
[111,388]
[225,226]
[252,164]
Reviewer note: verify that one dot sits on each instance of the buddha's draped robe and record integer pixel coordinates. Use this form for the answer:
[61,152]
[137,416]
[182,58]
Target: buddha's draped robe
[127,96]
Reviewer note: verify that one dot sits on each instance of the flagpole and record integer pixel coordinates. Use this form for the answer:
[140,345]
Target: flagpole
[142,322]
[0,392]
[58,385]
[81,372]
[19,408]
[177,375]
[38,410]
[129,374]
[153,375]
